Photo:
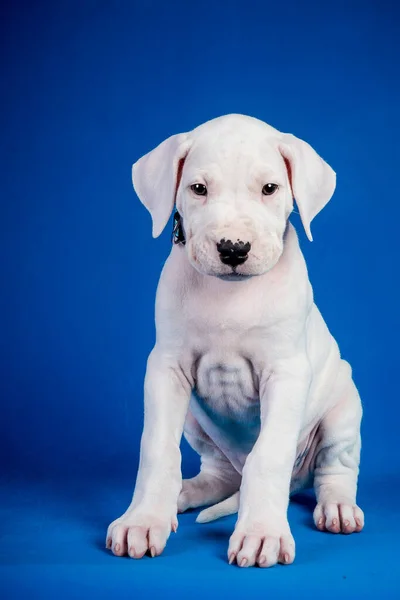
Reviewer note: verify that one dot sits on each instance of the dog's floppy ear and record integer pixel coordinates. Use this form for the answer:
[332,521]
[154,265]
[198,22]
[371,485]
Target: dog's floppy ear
[312,179]
[155,178]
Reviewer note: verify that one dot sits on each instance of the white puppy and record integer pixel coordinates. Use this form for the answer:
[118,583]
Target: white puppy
[244,363]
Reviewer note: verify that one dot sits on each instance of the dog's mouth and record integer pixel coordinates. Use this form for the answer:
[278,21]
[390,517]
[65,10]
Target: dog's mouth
[234,276]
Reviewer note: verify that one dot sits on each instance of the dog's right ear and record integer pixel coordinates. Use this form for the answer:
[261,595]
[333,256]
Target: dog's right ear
[312,180]
[156,178]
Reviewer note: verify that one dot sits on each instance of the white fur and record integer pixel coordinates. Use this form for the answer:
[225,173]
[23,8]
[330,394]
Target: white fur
[244,363]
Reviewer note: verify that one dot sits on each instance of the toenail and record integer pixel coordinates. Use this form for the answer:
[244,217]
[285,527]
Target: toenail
[152,552]
[231,558]
[334,522]
[286,557]
[117,548]
[262,560]
[346,523]
[320,522]
[243,562]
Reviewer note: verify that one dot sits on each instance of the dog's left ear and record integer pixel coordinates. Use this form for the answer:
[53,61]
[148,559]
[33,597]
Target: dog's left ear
[156,177]
[313,181]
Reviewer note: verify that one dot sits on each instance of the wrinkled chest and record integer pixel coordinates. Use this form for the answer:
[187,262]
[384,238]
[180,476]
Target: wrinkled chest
[226,379]
[225,400]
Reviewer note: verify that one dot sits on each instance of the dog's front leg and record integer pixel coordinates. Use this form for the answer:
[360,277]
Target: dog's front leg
[262,533]
[147,523]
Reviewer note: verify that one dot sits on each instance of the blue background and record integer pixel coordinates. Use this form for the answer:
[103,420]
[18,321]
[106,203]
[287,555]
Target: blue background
[87,88]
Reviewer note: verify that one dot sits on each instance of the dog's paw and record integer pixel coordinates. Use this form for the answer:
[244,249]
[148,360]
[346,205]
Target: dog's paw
[261,543]
[135,533]
[338,518]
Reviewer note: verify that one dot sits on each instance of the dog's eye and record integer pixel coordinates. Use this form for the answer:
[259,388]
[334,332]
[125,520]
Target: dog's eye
[199,189]
[269,189]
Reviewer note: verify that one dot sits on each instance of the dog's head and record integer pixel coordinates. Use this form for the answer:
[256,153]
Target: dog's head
[233,180]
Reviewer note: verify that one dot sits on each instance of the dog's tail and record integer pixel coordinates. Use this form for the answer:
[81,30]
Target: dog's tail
[230,506]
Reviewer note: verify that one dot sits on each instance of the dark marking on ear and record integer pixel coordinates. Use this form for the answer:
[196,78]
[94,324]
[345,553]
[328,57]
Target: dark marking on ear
[178,235]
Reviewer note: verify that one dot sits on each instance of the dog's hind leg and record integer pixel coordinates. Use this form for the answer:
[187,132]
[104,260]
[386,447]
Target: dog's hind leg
[217,479]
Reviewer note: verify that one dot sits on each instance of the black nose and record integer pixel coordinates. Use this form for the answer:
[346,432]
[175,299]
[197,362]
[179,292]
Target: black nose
[233,254]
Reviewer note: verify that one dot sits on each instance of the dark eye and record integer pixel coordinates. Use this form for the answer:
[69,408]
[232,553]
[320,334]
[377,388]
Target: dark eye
[269,189]
[199,189]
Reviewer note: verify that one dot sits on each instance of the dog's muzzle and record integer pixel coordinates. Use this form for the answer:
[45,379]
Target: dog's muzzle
[233,254]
